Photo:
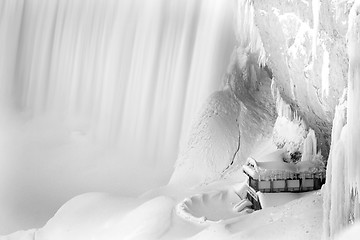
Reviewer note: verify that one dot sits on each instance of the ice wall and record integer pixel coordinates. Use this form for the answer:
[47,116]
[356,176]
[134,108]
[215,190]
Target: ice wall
[353,110]
[334,212]
[342,199]
[304,45]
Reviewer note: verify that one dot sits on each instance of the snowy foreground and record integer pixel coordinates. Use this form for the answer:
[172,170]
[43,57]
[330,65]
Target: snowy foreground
[153,216]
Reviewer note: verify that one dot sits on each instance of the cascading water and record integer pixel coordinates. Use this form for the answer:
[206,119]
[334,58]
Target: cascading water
[128,74]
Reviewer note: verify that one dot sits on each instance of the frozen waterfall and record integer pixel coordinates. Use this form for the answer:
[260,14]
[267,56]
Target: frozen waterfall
[128,74]
[342,189]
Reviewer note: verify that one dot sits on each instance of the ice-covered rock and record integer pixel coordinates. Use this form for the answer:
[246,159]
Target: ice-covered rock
[213,142]
[342,199]
[304,46]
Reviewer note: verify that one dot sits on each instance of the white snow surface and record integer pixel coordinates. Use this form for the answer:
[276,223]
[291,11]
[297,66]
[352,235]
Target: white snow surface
[103,216]
[350,233]
[20,235]
[298,219]
[277,199]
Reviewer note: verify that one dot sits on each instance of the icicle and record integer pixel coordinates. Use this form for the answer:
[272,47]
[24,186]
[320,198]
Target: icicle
[247,33]
[329,197]
[353,112]
[325,71]
[316,15]
[309,149]
[341,198]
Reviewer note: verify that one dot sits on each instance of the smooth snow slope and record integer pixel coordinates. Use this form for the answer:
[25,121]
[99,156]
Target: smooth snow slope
[102,217]
[213,142]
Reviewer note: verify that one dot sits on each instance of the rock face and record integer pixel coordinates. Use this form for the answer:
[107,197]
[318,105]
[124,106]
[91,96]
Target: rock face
[230,123]
[303,45]
[286,74]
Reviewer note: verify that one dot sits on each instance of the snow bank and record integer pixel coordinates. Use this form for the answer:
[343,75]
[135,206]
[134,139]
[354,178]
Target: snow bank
[277,199]
[21,235]
[298,220]
[350,233]
[148,221]
[101,216]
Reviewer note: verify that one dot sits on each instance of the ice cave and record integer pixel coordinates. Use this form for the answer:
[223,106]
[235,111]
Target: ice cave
[179,119]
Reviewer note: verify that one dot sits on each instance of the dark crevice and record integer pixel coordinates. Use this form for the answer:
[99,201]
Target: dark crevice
[235,153]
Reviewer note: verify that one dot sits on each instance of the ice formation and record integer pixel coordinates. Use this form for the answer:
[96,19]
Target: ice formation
[309,146]
[342,200]
[290,130]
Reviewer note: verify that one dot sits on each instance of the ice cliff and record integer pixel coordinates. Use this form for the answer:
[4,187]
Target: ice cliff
[342,200]
[303,44]
[311,51]
[286,74]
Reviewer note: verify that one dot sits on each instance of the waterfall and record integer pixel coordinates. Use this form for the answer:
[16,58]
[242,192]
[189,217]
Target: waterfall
[133,70]
[128,74]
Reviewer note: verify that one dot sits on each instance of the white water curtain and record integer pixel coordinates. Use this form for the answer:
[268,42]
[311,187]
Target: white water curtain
[129,74]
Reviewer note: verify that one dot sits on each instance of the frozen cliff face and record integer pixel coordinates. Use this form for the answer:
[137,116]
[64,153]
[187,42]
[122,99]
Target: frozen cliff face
[251,84]
[303,44]
[288,70]
[231,124]
[342,200]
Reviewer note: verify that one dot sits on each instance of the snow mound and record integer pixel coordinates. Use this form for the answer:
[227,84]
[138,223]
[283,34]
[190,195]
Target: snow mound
[20,235]
[277,199]
[214,206]
[149,221]
[297,220]
[103,216]
[350,233]
[213,141]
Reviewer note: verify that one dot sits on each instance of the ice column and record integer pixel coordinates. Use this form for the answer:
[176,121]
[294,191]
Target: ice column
[341,200]
[309,149]
[353,114]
